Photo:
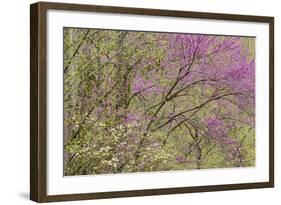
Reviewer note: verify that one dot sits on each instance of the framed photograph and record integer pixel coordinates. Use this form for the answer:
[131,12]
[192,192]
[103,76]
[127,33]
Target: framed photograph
[134,102]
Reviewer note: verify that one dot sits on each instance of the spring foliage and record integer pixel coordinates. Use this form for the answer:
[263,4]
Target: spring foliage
[144,101]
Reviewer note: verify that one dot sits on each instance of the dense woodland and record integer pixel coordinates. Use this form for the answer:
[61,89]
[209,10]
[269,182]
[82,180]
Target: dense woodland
[145,101]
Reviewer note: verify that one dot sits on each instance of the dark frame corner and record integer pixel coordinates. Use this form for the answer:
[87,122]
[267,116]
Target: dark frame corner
[38,110]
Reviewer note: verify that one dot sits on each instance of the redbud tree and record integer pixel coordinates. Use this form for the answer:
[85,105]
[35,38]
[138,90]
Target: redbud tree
[148,101]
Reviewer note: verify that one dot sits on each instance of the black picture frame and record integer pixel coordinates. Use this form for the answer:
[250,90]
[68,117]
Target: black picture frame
[38,101]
